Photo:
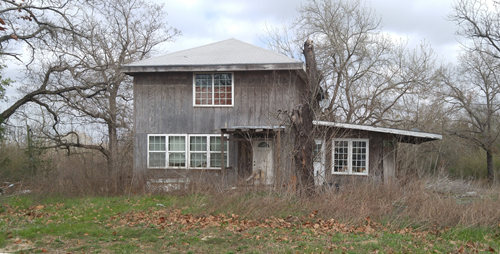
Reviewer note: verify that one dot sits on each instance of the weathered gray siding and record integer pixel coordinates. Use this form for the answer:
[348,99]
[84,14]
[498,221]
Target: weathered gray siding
[377,154]
[163,104]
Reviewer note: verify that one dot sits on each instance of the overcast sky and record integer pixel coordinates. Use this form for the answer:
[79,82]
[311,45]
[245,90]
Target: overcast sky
[203,21]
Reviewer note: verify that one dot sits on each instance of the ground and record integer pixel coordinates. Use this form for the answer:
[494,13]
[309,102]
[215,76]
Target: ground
[183,224]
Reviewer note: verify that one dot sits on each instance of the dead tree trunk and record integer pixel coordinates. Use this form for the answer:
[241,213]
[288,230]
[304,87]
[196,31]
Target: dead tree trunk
[302,124]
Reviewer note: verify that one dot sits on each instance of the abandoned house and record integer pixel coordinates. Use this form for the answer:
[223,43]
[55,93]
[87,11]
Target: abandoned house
[218,111]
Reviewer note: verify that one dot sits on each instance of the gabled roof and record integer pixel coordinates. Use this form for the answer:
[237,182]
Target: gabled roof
[227,55]
[403,135]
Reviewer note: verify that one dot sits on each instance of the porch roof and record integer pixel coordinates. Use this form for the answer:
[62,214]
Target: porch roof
[252,128]
[406,136]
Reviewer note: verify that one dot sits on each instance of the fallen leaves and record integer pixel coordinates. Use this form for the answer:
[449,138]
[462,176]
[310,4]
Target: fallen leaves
[162,218]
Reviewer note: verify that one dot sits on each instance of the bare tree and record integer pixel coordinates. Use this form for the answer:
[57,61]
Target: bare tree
[473,91]
[364,73]
[117,32]
[24,24]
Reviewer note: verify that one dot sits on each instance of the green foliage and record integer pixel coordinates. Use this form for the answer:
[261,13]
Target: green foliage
[18,163]
[472,165]
[3,84]
[13,163]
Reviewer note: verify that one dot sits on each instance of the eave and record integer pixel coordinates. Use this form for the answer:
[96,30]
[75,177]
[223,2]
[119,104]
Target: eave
[405,136]
[134,69]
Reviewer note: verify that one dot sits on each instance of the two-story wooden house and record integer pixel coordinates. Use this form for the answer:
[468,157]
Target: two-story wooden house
[186,102]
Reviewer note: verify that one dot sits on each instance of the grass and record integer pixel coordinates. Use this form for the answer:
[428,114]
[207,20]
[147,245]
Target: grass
[200,224]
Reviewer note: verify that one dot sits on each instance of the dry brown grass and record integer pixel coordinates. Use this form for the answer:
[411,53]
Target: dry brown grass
[82,174]
[426,203]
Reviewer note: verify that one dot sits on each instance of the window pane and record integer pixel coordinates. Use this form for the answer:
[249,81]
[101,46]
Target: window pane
[156,143]
[359,156]
[317,152]
[198,160]
[215,144]
[198,143]
[203,89]
[177,159]
[215,160]
[176,143]
[222,88]
[157,159]
[340,157]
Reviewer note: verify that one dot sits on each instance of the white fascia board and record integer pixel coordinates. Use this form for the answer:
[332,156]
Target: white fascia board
[416,134]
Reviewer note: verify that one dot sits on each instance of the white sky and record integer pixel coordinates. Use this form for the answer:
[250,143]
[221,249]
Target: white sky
[203,21]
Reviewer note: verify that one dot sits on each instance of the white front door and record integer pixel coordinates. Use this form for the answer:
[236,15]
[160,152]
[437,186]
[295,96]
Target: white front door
[319,162]
[263,162]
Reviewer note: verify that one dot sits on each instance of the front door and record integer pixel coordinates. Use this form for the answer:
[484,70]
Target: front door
[319,162]
[263,162]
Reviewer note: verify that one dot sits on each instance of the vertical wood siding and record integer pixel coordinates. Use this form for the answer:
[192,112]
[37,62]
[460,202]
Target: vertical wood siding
[163,104]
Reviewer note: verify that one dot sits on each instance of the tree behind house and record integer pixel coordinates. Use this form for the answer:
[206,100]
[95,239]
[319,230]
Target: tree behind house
[473,88]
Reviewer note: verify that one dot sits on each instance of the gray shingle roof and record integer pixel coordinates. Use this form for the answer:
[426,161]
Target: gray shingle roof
[229,54]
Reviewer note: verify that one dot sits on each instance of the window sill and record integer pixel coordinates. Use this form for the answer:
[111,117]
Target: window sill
[197,169]
[213,106]
[350,174]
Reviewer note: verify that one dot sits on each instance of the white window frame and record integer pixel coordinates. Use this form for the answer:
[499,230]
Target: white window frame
[187,150]
[213,89]
[167,151]
[208,152]
[349,156]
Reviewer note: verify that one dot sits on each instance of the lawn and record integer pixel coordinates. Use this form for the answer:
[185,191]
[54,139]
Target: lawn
[183,224]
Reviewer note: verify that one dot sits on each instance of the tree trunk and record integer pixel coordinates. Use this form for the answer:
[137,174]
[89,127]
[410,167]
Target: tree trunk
[304,142]
[489,165]
[113,173]
[302,124]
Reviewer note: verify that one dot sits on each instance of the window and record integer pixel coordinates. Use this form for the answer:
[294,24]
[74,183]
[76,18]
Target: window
[182,151]
[350,156]
[198,151]
[317,150]
[215,152]
[177,151]
[166,150]
[156,151]
[213,89]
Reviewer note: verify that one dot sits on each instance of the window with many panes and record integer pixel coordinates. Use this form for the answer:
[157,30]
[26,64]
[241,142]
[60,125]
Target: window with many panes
[350,156]
[157,151]
[183,151]
[177,151]
[213,89]
[166,151]
[215,152]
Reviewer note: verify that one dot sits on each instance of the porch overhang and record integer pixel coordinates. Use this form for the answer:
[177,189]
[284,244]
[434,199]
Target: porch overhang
[404,136]
[252,129]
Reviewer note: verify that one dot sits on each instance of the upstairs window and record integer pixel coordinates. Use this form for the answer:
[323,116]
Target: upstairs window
[350,156]
[213,89]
